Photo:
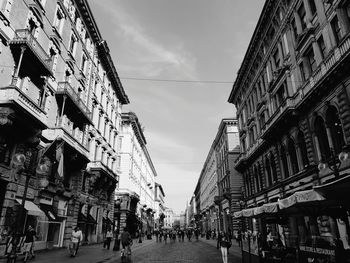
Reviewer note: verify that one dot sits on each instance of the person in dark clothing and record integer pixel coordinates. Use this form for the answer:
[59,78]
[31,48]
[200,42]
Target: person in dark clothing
[28,246]
[126,240]
[220,235]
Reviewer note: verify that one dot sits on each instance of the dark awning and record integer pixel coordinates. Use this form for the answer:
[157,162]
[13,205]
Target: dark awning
[336,190]
[50,213]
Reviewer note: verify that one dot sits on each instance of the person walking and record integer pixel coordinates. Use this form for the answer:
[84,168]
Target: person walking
[220,235]
[77,237]
[126,240]
[28,246]
[225,244]
[109,236]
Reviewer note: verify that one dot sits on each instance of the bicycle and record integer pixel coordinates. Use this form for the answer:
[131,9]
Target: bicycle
[125,252]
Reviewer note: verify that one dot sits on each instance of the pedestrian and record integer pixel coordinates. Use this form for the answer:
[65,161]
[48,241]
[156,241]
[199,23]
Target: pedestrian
[77,237]
[225,244]
[109,236]
[220,235]
[28,245]
[126,240]
[183,235]
[156,232]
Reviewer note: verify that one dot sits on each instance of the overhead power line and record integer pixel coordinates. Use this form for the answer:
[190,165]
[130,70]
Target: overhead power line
[180,80]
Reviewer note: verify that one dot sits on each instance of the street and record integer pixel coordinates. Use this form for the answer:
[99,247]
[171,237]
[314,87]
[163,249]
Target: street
[202,251]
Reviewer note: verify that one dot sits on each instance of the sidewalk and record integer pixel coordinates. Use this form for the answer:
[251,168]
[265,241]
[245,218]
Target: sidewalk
[89,253]
[234,249]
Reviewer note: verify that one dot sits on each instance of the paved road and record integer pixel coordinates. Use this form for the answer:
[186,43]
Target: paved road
[203,251]
[176,252]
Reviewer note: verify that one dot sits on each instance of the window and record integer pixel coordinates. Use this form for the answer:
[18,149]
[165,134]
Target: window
[335,127]
[321,133]
[310,56]
[284,161]
[5,151]
[276,58]
[322,46]
[280,95]
[73,44]
[303,149]
[336,29]
[293,156]
[262,120]
[302,15]
[312,7]
[59,20]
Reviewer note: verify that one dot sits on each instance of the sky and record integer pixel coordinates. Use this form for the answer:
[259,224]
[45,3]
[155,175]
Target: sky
[191,50]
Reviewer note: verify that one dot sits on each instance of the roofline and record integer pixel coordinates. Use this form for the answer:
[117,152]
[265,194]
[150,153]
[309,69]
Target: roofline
[249,49]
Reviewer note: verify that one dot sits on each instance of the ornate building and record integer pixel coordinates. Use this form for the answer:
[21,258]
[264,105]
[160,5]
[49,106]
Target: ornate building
[137,180]
[57,151]
[159,206]
[292,100]
[229,181]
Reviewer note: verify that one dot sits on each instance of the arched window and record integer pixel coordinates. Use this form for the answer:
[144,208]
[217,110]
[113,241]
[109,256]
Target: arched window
[268,171]
[303,149]
[257,179]
[293,156]
[335,127]
[284,161]
[260,176]
[321,133]
[273,167]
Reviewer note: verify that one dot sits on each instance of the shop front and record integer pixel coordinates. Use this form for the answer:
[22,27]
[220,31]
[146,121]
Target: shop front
[304,227]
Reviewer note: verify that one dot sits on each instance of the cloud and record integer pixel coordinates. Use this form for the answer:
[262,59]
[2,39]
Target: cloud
[153,58]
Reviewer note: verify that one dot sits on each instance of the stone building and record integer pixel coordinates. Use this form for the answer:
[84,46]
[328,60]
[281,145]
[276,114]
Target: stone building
[159,206]
[137,179]
[292,100]
[57,150]
[229,181]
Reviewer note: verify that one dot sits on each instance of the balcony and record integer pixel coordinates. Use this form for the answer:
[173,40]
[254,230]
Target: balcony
[98,166]
[14,96]
[73,136]
[281,119]
[74,105]
[35,59]
[335,61]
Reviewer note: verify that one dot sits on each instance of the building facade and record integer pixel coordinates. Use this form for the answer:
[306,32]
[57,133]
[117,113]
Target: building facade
[292,100]
[208,191]
[229,181]
[137,175]
[55,66]
[159,206]
[169,218]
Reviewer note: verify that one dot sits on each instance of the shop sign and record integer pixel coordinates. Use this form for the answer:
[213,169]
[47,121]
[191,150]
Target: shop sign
[318,250]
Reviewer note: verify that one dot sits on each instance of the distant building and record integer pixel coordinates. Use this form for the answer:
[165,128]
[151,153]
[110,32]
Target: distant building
[159,206]
[169,218]
[137,178]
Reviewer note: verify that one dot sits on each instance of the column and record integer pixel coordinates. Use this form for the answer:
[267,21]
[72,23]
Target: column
[15,75]
[317,144]
[329,136]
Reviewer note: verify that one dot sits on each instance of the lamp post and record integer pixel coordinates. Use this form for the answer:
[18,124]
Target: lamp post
[333,162]
[116,246]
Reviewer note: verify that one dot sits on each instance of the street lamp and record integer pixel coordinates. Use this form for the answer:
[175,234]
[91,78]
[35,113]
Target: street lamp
[116,246]
[333,162]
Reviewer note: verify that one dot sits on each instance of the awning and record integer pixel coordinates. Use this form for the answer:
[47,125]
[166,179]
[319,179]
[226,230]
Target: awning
[32,208]
[86,219]
[269,208]
[337,189]
[50,213]
[300,197]
[91,220]
[238,214]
